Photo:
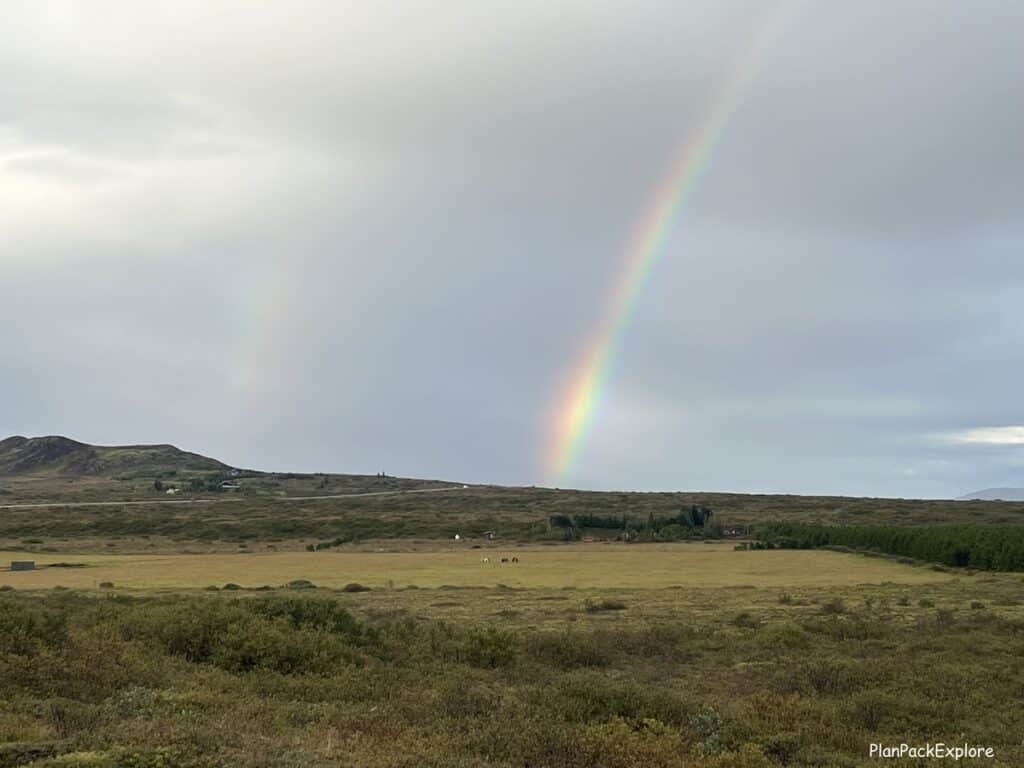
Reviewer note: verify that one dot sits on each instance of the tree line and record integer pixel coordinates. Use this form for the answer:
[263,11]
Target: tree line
[691,520]
[985,547]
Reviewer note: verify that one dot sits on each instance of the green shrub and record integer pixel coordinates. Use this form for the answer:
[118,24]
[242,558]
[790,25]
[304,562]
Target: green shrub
[830,677]
[623,743]
[190,630]
[460,700]
[244,647]
[567,650]
[870,708]
[590,695]
[747,756]
[354,587]
[488,648]
[135,701]
[69,717]
[311,613]
[784,635]
[707,724]
[25,628]
[285,635]
[834,606]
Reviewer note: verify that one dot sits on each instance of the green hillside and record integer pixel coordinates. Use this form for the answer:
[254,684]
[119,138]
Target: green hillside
[55,455]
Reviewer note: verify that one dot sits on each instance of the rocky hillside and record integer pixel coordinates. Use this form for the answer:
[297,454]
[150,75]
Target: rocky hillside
[56,455]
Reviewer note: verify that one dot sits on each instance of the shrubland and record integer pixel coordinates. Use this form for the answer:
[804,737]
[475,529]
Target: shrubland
[277,508]
[747,678]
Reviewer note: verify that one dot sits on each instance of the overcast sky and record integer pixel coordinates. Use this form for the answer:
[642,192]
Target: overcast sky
[341,236]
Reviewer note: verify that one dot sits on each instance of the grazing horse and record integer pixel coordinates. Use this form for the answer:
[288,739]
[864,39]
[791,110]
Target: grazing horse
[485,559]
[504,559]
[515,559]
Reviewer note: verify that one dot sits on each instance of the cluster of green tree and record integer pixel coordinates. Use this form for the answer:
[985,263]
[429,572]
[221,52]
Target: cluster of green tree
[986,547]
[589,520]
[195,484]
[691,521]
[210,484]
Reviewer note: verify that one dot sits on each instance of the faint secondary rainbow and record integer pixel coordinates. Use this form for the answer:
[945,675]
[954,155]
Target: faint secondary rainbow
[271,317]
[585,388]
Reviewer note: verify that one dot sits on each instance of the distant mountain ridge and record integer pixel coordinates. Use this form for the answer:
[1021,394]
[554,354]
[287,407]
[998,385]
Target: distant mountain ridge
[996,494]
[57,455]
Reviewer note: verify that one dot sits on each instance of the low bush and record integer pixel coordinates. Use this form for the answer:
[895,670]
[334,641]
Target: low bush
[568,650]
[27,627]
[488,648]
[834,606]
[597,606]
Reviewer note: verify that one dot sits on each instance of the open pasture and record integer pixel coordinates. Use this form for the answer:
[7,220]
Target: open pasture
[598,566]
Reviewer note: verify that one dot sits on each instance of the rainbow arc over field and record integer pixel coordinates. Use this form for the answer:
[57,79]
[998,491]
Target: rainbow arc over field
[580,399]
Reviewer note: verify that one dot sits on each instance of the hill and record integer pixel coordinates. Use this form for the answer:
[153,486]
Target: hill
[121,493]
[996,494]
[55,455]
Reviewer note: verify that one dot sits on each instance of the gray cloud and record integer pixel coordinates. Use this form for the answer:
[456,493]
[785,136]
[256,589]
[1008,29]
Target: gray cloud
[337,236]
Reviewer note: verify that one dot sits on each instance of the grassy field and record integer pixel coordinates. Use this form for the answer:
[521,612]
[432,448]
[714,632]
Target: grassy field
[608,565]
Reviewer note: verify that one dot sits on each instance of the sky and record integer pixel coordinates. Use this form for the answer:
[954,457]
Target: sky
[361,237]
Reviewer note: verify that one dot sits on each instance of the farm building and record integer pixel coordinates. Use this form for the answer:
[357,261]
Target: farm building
[23,565]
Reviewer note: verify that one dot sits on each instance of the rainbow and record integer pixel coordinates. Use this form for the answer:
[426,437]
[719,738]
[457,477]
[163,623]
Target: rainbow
[270,320]
[576,408]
